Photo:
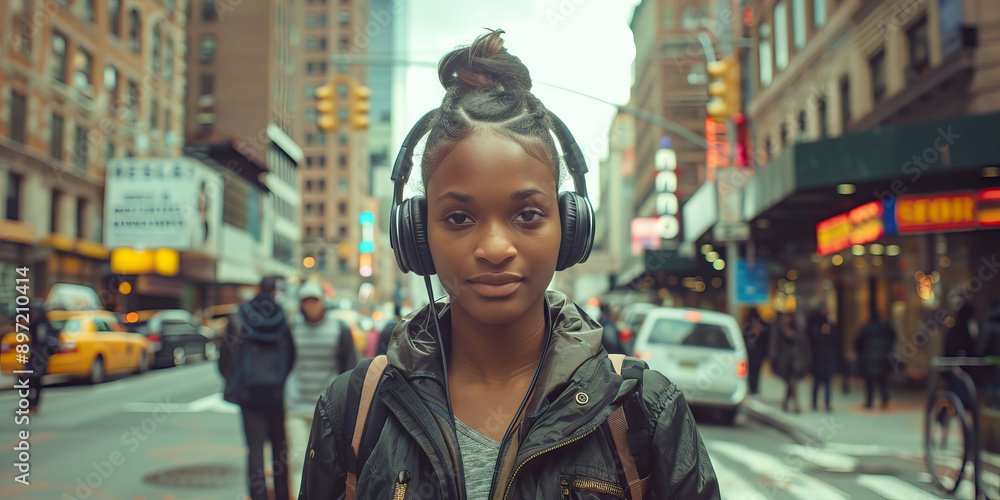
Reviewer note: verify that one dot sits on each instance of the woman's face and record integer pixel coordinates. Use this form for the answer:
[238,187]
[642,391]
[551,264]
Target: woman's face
[493,227]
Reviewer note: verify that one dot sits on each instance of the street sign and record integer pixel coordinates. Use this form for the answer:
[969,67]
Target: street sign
[725,232]
[752,282]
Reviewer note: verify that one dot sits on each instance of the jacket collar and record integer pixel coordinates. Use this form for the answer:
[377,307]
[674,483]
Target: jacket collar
[573,339]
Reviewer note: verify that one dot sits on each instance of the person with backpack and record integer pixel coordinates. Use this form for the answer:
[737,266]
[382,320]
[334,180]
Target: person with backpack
[257,355]
[503,390]
[324,349]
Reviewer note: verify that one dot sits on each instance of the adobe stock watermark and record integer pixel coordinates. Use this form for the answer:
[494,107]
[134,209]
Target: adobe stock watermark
[958,297]
[132,440]
[920,163]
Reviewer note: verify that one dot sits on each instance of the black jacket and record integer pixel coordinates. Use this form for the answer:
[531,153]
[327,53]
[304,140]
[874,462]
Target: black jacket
[875,343]
[261,319]
[558,440]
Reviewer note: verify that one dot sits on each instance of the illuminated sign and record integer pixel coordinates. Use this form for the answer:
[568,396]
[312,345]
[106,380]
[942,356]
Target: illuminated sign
[857,227]
[717,155]
[989,208]
[936,212]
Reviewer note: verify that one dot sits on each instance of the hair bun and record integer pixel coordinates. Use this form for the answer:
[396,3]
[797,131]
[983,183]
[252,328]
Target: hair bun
[485,65]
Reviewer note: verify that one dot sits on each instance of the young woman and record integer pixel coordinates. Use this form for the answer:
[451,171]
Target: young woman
[530,386]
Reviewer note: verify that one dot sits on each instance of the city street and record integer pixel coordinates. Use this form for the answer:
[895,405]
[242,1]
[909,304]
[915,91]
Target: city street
[168,435]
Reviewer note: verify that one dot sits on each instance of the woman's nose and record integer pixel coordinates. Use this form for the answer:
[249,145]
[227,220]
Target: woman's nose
[495,246]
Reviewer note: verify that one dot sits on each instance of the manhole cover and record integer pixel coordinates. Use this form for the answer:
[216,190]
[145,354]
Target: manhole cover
[199,476]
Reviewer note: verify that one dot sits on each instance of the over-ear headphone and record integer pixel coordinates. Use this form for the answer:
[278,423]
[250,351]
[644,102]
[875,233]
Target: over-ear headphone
[408,221]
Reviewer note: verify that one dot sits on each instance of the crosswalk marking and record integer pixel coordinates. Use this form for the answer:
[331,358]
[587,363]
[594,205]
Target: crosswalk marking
[828,460]
[780,476]
[733,486]
[892,488]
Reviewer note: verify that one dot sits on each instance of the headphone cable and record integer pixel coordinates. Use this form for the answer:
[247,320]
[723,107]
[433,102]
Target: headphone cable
[444,359]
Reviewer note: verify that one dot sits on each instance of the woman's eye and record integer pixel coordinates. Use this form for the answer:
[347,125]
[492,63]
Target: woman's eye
[458,219]
[529,216]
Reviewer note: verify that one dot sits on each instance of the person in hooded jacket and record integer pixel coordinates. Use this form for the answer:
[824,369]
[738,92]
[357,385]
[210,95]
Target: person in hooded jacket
[874,346]
[530,386]
[257,355]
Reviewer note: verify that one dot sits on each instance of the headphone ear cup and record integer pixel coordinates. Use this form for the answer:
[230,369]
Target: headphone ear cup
[577,220]
[395,241]
[421,262]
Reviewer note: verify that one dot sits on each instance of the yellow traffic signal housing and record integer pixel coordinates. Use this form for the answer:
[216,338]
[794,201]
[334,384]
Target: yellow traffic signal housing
[360,106]
[723,89]
[326,105]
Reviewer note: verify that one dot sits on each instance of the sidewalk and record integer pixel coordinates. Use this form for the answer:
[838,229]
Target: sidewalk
[895,431]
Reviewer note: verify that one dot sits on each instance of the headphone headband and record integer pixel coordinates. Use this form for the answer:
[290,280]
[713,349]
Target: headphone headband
[575,162]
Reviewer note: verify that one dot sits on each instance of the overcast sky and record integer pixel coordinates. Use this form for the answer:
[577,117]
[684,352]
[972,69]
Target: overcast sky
[584,45]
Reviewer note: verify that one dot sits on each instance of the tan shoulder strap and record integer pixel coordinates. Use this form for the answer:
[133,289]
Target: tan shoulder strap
[619,433]
[372,377]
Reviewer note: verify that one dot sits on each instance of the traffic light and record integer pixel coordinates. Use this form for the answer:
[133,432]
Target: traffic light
[360,106]
[723,89]
[326,106]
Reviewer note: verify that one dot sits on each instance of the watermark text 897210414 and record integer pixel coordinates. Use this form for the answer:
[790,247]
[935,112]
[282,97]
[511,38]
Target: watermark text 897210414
[22,351]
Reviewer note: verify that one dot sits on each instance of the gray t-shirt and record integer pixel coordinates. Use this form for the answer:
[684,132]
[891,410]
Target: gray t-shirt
[479,458]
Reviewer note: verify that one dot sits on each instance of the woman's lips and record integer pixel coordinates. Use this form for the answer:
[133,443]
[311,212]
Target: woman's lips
[495,290]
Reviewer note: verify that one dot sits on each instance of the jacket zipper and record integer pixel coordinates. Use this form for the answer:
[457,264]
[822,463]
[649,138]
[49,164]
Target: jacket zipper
[590,485]
[510,482]
[419,421]
[399,492]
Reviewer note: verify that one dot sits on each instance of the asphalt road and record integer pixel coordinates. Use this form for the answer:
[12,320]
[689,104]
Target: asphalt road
[167,435]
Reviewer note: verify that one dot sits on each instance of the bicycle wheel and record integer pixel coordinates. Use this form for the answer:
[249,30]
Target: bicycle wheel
[948,438]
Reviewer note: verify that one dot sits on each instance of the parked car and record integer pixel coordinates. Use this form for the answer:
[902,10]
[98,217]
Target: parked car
[632,316]
[177,336]
[92,345]
[701,351]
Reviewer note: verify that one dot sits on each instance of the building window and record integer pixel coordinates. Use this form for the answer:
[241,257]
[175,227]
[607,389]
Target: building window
[56,137]
[764,54]
[13,200]
[134,25]
[81,78]
[155,63]
[311,91]
[309,186]
[322,208]
[23,28]
[309,161]
[801,134]
[344,18]
[206,49]
[115,17]
[315,138]
[799,23]
[18,117]
[59,56]
[309,208]
[154,115]
[342,232]
[81,150]
[316,68]
[309,231]
[342,208]
[916,37]
[54,211]
[342,161]
[322,161]
[319,232]
[845,102]
[315,44]
[206,86]
[208,12]
[877,67]
[168,64]
[132,111]
[315,20]
[780,36]
[109,154]
[111,87]
[819,13]
[87,6]
[342,186]
[344,45]
[81,218]
[311,115]
[342,138]
[322,186]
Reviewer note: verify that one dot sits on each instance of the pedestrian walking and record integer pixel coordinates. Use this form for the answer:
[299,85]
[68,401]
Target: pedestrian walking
[874,346]
[755,336]
[257,356]
[504,368]
[789,358]
[44,342]
[324,348]
[824,343]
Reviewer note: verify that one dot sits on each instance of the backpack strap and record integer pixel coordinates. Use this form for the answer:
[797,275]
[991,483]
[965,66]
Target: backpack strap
[619,434]
[372,377]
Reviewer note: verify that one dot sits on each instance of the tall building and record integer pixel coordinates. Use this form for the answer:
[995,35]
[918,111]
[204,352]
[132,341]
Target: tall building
[243,112]
[81,84]
[335,178]
[874,125]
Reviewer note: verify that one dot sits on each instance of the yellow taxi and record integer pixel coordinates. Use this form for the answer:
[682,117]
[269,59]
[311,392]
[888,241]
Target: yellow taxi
[92,344]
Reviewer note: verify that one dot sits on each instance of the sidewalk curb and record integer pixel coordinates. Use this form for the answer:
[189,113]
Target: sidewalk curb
[771,416]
